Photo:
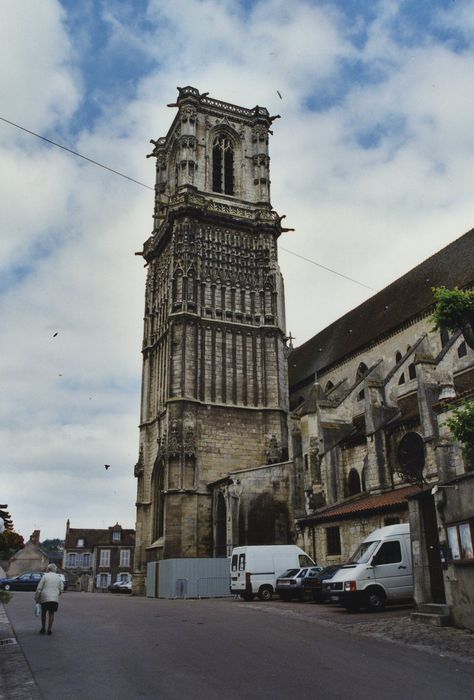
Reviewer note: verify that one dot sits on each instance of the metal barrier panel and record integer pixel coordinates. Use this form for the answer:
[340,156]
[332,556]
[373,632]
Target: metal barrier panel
[191,578]
[213,586]
[151,579]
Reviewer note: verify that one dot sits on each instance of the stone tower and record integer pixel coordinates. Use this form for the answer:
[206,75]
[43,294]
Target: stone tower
[214,385]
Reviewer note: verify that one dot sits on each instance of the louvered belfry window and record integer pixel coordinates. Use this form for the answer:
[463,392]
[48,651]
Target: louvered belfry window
[222,165]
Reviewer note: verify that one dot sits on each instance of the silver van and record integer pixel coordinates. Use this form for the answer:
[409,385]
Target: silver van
[379,571]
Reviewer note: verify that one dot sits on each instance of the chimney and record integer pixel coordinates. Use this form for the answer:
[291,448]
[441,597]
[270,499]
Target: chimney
[35,537]
[67,527]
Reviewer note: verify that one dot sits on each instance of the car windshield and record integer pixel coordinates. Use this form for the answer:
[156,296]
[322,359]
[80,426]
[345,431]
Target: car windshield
[364,552]
[288,573]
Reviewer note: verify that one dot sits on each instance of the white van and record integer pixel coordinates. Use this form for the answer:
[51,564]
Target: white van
[379,571]
[255,568]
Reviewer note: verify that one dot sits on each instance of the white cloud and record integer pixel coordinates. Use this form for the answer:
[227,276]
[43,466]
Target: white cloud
[37,83]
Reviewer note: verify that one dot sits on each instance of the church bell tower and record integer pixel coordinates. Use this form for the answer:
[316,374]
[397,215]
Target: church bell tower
[214,385]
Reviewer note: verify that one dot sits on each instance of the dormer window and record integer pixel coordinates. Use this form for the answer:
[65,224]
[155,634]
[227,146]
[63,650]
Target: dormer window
[80,542]
[116,536]
[222,165]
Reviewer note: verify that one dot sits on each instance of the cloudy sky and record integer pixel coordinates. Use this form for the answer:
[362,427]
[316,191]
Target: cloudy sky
[372,164]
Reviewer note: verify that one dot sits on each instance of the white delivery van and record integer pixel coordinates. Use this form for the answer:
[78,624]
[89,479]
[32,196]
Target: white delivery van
[379,571]
[255,568]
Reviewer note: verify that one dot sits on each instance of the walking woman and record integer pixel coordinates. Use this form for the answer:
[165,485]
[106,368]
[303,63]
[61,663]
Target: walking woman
[47,593]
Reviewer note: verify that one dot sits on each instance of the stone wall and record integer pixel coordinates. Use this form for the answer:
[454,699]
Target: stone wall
[30,558]
[352,532]
[455,506]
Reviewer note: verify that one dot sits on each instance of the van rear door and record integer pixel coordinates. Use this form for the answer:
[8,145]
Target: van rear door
[237,570]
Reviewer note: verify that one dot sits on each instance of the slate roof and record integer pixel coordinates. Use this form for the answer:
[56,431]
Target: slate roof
[382,502]
[93,538]
[403,300]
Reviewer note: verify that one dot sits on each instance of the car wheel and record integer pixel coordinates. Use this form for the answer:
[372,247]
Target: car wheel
[6,587]
[375,600]
[247,596]
[265,593]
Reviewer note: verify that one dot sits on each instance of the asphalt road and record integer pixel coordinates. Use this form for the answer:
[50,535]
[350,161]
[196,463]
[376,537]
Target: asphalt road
[107,646]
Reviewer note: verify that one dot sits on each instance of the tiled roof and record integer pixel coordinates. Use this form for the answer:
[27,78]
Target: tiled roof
[94,538]
[378,503]
[387,310]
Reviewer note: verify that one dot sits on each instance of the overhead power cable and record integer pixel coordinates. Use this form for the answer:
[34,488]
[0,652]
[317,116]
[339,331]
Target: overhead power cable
[313,262]
[137,182]
[75,153]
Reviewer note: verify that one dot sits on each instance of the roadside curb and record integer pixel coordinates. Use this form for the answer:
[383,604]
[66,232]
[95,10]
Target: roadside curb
[16,679]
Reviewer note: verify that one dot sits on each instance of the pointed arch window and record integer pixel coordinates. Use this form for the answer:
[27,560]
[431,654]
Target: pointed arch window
[221,527]
[363,480]
[353,483]
[222,165]
[159,500]
[444,335]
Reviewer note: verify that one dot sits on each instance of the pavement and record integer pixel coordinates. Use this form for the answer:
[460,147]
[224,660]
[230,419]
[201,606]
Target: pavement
[394,625]
[16,679]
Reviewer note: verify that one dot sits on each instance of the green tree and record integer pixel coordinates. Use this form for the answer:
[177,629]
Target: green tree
[10,542]
[455,311]
[54,545]
[461,424]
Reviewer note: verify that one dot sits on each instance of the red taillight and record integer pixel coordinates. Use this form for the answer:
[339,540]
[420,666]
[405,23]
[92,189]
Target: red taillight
[247,578]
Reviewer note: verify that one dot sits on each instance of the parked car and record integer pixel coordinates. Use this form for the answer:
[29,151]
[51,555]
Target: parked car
[24,582]
[312,583]
[120,587]
[65,581]
[289,584]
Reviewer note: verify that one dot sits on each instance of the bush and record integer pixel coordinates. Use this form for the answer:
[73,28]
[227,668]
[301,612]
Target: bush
[5,597]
